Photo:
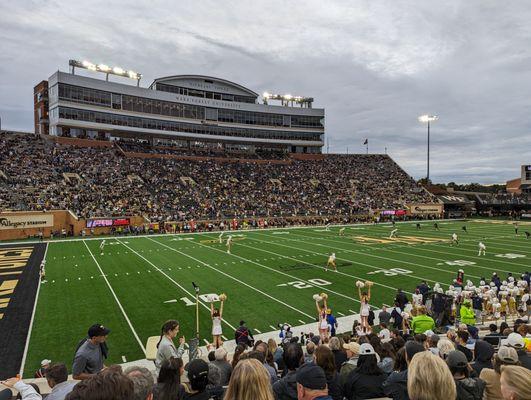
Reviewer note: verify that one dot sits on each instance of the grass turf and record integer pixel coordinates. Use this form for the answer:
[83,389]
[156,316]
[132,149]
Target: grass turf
[270,277]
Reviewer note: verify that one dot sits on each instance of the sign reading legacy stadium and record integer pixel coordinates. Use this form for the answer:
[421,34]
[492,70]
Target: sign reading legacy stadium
[426,208]
[26,221]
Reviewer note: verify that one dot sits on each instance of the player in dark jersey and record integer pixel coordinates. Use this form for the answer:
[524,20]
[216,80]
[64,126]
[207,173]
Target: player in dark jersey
[436,226]
[516,228]
[527,234]
[418,226]
[464,229]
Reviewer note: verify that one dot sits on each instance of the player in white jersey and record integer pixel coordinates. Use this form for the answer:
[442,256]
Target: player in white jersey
[455,239]
[331,263]
[42,271]
[221,237]
[229,243]
[327,226]
[481,248]
[342,232]
[393,233]
[102,246]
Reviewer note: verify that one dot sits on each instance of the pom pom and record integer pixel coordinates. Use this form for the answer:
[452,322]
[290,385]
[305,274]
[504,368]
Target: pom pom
[368,283]
[316,297]
[222,297]
[360,284]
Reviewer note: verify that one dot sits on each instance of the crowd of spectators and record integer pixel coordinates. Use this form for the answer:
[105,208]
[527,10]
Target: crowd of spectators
[111,184]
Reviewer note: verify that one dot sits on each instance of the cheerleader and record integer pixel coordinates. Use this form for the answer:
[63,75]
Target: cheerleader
[102,246]
[217,315]
[321,313]
[365,297]
[221,237]
[331,262]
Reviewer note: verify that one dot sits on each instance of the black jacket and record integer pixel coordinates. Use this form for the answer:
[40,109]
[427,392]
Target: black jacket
[469,388]
[360,386]
[286,388]
[396,386]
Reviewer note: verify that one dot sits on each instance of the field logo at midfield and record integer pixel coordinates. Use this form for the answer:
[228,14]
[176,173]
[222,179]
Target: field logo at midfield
[400,239]
[510,255]
[235,238]
[461,263]
[391,272]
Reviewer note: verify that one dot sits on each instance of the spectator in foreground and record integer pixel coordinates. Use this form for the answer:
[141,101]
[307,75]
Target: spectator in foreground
[515,383]
[505,356]
[467,388]
[366,381]
[243,335]
[311,383]
[483,353]
[324,358]
[223,365]
[516,341]
[286,387]
[264,350]
[142,382]
[396,385]
[384,316]
[198,376]
[422,322]
[57,378]
[110,384]
[467,314]
[339,355]
[42,370]
[461,341]
[27,392]
[429,378]
[168,385]
[310,349]
[353,350]
[240,349]
[445,346]
[165,347]
[91,353]
[250,381]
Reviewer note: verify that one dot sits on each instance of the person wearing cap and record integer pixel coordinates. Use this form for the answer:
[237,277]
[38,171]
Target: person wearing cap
[223,365]
[42,370]
[198,380]
[243,335]
[422,322]
[311,383]
[467,388]
[353,350]
[366,381]
[505,356]
[516,341]
[395,385]
[90,355]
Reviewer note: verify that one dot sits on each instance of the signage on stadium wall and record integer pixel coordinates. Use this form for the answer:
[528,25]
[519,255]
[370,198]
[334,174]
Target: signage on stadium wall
[393,212]
[26,221]
[425,208]
[98,223]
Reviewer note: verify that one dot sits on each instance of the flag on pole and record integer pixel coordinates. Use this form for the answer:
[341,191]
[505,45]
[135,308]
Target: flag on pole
[366,141]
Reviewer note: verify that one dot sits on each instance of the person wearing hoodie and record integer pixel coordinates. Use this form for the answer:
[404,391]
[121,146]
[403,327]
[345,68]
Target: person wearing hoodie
[286,387]
[483,352]
[467,388]
[467,314]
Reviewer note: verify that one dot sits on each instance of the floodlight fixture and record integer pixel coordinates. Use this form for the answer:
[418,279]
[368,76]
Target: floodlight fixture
[107,70]
[288,99]
[426,118]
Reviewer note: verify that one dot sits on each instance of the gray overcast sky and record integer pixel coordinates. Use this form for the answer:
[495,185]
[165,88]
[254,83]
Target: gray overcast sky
[374,65]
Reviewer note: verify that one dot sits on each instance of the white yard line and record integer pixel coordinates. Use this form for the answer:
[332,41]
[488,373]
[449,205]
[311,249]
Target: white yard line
[26,347]
[117,301]
[174,282]
[231,277]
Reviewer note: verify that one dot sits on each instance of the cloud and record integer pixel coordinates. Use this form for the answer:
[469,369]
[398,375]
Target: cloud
[374,66]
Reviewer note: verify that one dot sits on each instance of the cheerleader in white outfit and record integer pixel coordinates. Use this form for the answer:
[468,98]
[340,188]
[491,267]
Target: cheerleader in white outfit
[323,323]
[365,297]
[217,316]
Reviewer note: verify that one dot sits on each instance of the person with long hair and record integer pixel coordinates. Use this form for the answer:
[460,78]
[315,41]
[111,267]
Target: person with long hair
[165,347]
[250,381]
[276,351]
[168,385]
[429,378]
[323,323]
[217,316]
[365,297]
[324,358]
[366,381]
[515,383]
[238,351]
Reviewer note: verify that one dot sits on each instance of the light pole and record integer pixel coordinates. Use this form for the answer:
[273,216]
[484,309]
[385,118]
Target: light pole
[428,118]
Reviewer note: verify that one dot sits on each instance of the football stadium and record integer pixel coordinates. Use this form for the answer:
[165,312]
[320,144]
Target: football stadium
[190,238]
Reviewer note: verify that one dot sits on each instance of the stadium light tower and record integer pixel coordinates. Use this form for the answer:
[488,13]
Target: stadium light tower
[428,118]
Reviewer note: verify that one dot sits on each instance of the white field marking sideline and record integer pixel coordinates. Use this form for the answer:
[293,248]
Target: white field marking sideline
[117,301]
[196,233]
[175,282]
[279,272]
[339,258]
[26,347]
[231,277]
[314,265]
[474,256]
[374,255]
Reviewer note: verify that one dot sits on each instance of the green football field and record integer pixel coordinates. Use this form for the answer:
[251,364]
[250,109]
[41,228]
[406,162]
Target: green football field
[270,277]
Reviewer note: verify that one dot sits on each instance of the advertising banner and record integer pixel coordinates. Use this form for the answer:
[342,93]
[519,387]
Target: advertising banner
[425,209]
[26,221]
